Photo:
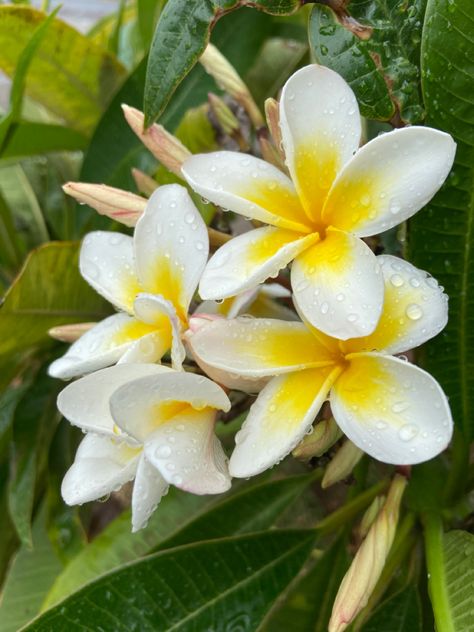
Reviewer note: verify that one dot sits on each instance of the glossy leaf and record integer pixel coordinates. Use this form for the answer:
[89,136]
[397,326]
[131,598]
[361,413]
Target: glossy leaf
[441,238]
[375,46]
[70,75]
[221,585]
[179,519]
[399,613]
[458,555]
[181,36]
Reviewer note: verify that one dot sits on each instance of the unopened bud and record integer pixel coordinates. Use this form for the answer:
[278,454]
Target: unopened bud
[342,464]
[70,333]
[224,116]
[200,320]
[272,114]
[122,206]
[366,568]
[269,152]
[323,437]
[228,79]
[145,183]
[163,145]
[370,515]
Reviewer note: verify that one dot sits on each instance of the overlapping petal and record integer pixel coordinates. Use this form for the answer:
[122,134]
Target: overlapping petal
[248,186]
[148,489]
[171,246]
[250,259]
[415,309]
[393,410]
[320,126]
[101,346]
[107,263]
[258,347]
[389,180]
[279,419]
[102,465]
[337,285]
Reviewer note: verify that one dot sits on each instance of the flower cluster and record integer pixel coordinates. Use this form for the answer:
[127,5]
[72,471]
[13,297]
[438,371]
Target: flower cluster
[156,373]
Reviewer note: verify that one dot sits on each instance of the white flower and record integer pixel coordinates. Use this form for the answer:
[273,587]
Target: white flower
[151,278]
[337,194]
[393,410]
[148,423]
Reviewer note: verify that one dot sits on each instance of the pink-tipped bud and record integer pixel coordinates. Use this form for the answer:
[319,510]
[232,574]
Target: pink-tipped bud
[342,464]
[163,145]
[145,183]
[272,114]
[70,333]
[367,566]
[122,206]
[201,320]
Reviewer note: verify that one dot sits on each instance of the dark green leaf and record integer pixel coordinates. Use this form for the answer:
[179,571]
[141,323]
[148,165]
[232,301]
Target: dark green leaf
[381,63]
[31,139]
[181,35]
[221,585]
[458,556]
[441,238]
[307,606]
[400,613]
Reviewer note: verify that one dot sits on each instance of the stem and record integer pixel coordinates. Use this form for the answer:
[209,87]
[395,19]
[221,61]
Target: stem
[433,529]
[459,471]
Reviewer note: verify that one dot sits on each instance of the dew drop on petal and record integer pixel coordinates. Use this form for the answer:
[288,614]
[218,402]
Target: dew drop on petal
[163,452]
[414,311]
[396,280]
[408,432]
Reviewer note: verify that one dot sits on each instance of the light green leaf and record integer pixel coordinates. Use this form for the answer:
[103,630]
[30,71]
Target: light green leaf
[226,584]
[441,237]
[180,519]
[377,51]
[399,613]
[71,76]
[181,35]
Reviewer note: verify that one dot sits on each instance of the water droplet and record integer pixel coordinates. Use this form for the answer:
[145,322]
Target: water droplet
[324,308]
[396,280]
[189,218]
[408,432]
[163,452]
[399,407]
[352,318]
[414,311]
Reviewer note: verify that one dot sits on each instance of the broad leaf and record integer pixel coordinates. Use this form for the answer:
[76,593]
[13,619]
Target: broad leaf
[441,237]
[377,51]
[181,36]
[399,613]
[180,519]
[70,75]
[458,557]
[49,291]
[30,139]
[226,584]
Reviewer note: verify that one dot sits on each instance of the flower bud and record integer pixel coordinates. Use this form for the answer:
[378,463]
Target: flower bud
[366,568]
[272,114]
[370,515]
[122,206]
[224,116]
[163,145]
[145,183]
[70,333]
[227,79]
[342,464]
[324,436]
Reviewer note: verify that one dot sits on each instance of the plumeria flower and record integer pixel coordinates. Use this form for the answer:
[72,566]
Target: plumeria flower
[337,194]
[393,410]
[144,422]
[150,278]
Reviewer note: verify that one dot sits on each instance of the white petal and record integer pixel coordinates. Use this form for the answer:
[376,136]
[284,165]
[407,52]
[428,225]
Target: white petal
[136,406]
[151,309]
[101,466]
[106,262]
[188,454]
[148,489]
[99,347]
[248,186]
[258,347]
[338,287]
[415,309]
[320,127]
[85,403]
[249,259]
[283,412]
[171,246]
[394,411]
[147,349]
[389,180]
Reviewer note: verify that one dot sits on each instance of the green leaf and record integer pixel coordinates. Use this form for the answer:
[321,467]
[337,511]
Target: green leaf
[181,35]
[71,76]
[30,576]
[148,10]
[221,585]
[180,519]
[381,63]
[307,605]
[399,613]
[30,139]
[441,237]
[49,291]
